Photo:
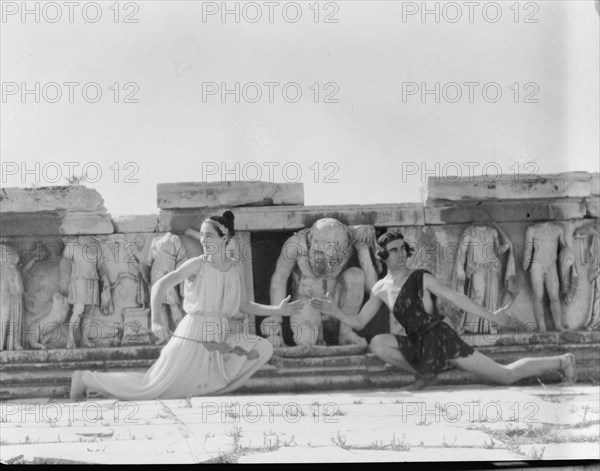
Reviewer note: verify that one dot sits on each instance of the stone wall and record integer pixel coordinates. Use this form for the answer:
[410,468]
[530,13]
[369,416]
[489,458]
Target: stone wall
[35,219]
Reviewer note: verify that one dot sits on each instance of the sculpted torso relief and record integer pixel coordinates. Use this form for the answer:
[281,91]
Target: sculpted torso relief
[317,259]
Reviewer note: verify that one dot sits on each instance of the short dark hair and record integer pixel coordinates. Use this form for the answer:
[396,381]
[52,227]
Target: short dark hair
[386,238]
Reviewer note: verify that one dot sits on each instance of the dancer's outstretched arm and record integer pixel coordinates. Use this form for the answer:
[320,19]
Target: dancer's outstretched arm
[328,306]
[461,301]
[284,309]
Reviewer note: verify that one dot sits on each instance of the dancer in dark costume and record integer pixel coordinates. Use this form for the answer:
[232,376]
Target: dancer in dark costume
[431,345]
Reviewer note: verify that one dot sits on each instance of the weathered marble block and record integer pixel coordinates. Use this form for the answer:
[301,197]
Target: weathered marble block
[136,223]
[56,210]
[55,223]
[51,198]
[563,185]
[217,194]
[282,218]
[529,210]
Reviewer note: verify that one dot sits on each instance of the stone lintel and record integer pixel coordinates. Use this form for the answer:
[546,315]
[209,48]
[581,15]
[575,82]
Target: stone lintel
[55,223]
[86,223]
[51,198]
[223,194]
[282,218]
[505,211]
[136,223]
[510,186]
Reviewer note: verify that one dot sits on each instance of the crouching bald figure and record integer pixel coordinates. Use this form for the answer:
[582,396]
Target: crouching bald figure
[320,260]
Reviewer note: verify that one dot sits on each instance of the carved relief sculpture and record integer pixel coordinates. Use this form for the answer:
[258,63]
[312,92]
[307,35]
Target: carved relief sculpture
[165,255]
[479,272]
[547,253]
[318,259]
[89,284]
[11,299]
[588,238]
[45,278]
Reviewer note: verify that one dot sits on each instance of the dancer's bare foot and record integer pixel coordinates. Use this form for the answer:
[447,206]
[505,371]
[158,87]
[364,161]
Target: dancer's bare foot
[77,386]
[567,368]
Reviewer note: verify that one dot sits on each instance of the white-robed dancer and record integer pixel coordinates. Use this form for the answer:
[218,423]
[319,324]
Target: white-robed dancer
[205,355]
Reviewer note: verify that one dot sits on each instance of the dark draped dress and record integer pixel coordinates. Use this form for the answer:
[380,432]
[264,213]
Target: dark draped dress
[429,342]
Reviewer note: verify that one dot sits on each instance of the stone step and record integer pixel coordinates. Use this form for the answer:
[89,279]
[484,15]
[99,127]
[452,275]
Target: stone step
[103,365]
[14,373]
[380,378]
[289,374]
[484,343]
[105,359]
[64,375]
[152,352]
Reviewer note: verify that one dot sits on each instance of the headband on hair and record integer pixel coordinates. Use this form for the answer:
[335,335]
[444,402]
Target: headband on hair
[221,227]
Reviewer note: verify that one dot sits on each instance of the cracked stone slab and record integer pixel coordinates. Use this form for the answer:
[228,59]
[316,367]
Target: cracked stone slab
[136,223]
[53,223]
[296,217]
[218,194]
[492,186]
[461,212]
[51,198]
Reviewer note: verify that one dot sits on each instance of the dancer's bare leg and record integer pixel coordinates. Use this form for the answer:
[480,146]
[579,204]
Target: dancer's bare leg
[77,386]
[486,368]
[385,346]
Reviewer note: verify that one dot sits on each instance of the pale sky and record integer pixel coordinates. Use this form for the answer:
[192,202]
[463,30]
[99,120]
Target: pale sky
[360,133]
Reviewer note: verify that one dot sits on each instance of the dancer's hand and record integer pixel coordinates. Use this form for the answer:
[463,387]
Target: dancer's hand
[326,305]
[161,332]
[504,319]
[288,308]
